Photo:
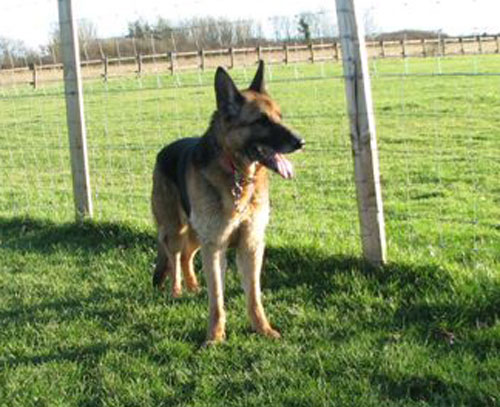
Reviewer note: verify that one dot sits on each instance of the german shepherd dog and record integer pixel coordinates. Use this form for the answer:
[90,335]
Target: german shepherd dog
[211,192]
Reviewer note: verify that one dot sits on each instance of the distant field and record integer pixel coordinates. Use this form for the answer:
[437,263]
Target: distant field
[81,325]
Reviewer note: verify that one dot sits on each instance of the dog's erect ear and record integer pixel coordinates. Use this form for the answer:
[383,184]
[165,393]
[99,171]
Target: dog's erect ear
[258,81]
[229,98]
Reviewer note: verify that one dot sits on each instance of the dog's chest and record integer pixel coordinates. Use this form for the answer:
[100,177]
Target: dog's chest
[217,223]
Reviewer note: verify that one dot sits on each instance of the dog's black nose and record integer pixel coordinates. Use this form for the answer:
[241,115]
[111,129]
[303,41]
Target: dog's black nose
[299,143]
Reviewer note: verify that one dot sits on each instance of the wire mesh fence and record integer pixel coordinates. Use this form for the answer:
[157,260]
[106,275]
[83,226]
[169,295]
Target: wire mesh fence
[437,128]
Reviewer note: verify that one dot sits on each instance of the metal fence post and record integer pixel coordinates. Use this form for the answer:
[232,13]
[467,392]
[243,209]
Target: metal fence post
[363,138]
[74,110]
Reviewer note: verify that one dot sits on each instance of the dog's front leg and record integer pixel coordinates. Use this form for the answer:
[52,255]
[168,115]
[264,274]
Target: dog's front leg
[249,260]
[211,258]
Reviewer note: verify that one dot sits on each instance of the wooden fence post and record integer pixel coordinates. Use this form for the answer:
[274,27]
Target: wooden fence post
[138,57]
[259,53]
[363,139]
[171,57]
[479,44]
[403,48]
[118,54]
[201,53]
[424,50]
[311,52]
[34,71]
[382,49]
[462,49]
[441,47]
[231,58]
[335,50]
[287,56]
[105,67]
[497,41]
[74,110]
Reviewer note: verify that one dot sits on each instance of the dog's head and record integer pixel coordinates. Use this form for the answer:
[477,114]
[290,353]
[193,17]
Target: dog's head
[252,128]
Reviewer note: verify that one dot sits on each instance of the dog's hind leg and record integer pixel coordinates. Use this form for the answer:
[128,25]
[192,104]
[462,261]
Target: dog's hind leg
[169,252]
[162,269]
[187,258]
[176,274]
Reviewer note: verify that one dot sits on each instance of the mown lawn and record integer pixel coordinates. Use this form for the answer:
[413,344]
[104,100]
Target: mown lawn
[81,326]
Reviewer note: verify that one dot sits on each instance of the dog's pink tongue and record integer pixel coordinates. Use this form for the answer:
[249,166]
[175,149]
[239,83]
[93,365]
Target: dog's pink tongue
[285,168]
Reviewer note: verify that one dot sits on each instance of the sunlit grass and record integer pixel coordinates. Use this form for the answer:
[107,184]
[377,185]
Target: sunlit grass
[81,325]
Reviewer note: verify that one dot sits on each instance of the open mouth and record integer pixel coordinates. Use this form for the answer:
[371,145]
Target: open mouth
[274,161]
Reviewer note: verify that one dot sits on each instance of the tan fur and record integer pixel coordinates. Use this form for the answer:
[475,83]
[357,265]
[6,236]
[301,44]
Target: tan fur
[216,223]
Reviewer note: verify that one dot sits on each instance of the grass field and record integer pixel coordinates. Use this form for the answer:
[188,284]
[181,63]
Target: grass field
[81,325]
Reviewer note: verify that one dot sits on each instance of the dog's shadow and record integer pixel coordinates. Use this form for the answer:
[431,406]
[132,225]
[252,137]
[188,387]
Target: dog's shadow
[284,266]
[43,236]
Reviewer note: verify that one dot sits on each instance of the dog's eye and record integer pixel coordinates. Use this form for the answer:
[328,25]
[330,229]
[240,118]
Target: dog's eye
[262,120]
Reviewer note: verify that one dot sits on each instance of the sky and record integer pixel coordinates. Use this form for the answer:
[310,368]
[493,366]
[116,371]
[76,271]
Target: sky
[32,20]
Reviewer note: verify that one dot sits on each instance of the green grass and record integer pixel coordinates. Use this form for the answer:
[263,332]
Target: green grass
[81,326]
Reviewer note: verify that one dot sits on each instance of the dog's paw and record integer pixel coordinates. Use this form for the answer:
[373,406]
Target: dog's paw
[193,288]
[210,342]
[176,292]
[270,333]
[159,281]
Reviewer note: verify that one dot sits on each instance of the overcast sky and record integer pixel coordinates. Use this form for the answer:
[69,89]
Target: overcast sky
[32,20]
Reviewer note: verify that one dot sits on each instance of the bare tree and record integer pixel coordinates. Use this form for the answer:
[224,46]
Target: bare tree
[327,25]
[369,22]
[12,52]
[87,37]
[243,33]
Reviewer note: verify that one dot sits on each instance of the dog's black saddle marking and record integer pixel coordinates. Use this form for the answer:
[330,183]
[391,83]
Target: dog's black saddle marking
[172,161]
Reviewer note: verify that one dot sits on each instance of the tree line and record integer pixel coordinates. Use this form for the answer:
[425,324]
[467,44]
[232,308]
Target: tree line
[196,33]
[162,35]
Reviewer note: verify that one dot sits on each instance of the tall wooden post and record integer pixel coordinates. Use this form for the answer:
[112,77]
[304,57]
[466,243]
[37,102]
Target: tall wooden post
[74,110]
[363,138]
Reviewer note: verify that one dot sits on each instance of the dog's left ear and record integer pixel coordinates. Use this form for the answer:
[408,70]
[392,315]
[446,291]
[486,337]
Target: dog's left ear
[229,98]
[258,81]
